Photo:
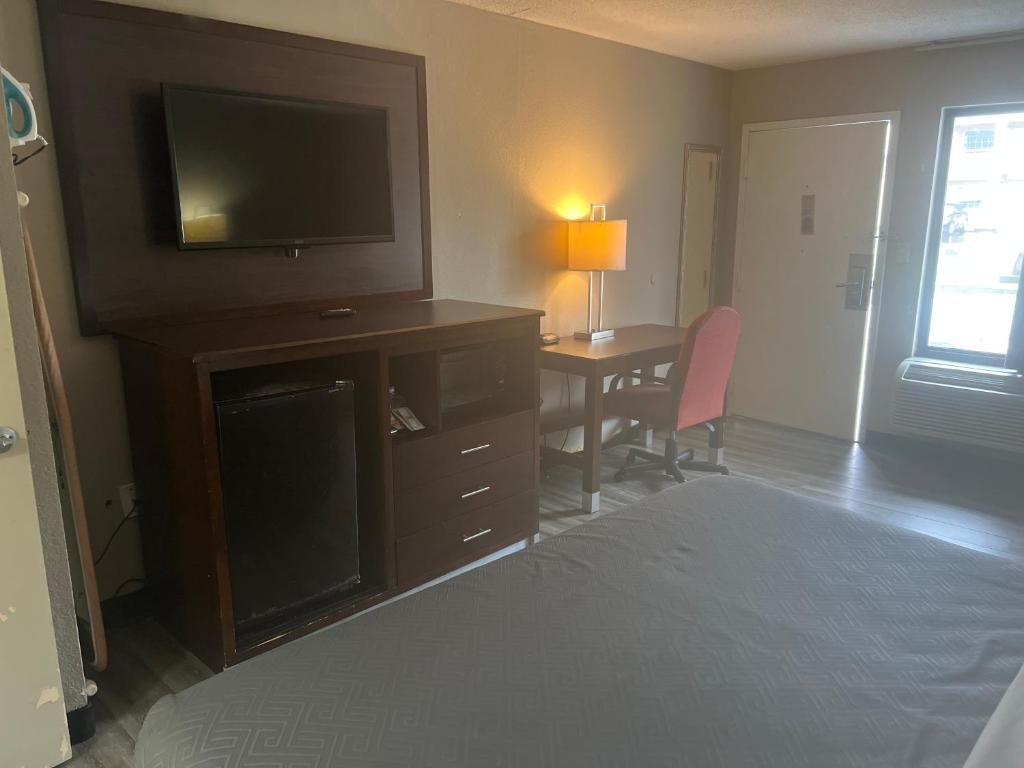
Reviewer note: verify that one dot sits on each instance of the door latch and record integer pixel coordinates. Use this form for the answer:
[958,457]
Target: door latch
[858,282]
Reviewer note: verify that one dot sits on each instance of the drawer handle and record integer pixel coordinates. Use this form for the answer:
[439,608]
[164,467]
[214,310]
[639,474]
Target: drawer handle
[477,535]
[477,492]
[482,447]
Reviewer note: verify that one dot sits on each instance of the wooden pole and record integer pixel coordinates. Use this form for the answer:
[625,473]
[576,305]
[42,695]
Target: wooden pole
[62,412]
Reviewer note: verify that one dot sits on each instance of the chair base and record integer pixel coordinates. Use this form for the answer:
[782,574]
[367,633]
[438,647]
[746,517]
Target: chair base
[671,462]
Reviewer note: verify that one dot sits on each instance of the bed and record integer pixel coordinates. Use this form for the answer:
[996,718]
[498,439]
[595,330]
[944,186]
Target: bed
[719,623]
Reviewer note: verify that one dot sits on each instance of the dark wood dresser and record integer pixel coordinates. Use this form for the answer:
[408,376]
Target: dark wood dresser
[429,501]
[225,353]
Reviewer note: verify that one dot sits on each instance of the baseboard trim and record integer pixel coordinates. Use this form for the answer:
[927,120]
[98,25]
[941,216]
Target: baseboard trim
[933,448]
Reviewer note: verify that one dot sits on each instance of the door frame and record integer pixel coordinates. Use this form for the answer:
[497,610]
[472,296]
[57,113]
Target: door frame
[881,240]
[689,149]
[42,729]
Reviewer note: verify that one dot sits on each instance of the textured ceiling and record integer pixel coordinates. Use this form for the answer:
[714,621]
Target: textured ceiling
[739,34]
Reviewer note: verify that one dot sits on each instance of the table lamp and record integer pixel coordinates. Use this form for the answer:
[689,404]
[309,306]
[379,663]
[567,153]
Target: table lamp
[597,245]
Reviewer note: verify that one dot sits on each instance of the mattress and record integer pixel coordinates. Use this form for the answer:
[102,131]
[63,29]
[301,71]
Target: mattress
[720,623]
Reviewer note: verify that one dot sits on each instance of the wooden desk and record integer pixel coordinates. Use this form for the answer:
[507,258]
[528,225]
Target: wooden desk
[637,347]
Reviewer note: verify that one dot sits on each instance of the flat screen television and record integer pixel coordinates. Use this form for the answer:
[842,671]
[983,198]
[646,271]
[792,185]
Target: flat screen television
[252,170]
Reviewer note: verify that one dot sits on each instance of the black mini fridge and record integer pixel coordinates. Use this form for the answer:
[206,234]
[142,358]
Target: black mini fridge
[288,472]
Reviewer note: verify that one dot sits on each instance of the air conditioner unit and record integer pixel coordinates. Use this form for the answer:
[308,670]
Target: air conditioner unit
[971,405]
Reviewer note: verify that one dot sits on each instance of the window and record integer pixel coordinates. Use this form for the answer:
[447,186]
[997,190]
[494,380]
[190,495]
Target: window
[972,308]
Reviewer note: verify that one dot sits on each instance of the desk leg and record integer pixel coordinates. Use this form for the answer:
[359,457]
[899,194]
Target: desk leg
[593,420]
[646,430]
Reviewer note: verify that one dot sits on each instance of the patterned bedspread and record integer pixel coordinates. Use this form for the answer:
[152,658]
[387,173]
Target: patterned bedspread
[720,623]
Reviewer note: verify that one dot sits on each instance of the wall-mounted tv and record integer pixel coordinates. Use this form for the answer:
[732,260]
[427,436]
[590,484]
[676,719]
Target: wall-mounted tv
[253,170]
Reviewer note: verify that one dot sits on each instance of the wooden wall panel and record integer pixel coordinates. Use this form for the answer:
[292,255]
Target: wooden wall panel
[105,64]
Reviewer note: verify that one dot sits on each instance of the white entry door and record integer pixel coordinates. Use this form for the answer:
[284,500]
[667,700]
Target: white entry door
[807,254]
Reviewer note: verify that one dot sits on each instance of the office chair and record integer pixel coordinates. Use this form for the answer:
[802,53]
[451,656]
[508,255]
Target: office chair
[693,393]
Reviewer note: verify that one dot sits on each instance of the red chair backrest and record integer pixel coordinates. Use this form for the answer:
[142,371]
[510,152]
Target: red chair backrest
[704,363]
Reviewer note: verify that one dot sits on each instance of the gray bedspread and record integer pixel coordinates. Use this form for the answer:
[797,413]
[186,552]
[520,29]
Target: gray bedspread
[720,623]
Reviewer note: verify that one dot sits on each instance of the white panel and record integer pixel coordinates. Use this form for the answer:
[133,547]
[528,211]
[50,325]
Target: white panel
[698,235]
[946,403]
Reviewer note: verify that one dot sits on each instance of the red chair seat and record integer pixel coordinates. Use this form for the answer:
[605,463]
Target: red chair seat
[651,403]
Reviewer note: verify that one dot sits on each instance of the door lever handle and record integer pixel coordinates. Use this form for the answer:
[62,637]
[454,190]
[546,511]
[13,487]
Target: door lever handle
[855,299]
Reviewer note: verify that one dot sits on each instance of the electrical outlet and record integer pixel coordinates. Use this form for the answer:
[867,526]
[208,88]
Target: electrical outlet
[127,495]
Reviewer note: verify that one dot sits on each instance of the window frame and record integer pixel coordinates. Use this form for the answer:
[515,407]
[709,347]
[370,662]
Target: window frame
[1014,358]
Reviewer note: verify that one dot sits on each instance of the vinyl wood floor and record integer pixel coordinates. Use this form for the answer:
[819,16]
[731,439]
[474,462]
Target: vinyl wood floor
[969,501]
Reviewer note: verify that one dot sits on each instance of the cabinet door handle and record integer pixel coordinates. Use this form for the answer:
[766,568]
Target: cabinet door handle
[477,535]
[477,492]
[480,447]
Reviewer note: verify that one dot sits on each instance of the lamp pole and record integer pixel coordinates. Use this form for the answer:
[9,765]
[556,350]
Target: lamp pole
[598,212]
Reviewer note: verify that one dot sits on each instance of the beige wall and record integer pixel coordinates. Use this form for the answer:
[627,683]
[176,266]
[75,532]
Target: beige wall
[918,85]
[526,123]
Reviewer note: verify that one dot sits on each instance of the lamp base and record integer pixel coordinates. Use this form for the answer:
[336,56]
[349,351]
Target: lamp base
[607,333]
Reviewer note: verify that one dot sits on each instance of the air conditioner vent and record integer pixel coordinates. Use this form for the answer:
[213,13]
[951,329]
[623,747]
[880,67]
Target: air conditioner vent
[988,379]
[969,405]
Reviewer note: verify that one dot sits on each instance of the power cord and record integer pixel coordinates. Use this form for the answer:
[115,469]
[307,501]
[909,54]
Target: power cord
[132,515]
[18,160]
[124,584]
[568,390]
[568,393]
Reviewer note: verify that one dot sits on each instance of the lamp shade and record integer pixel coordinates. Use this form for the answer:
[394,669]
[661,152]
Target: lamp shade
[597,245]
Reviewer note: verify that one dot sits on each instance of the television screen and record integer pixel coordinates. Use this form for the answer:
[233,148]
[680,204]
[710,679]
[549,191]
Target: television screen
[253,170]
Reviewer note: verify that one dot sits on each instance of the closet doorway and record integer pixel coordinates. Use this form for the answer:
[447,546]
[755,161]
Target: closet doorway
[701,165]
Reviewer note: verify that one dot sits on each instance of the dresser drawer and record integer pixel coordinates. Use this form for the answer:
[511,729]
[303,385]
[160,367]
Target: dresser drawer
[454,542]
[450,496]
[425,460]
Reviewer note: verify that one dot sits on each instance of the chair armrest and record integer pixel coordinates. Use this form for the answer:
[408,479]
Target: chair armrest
[617,379]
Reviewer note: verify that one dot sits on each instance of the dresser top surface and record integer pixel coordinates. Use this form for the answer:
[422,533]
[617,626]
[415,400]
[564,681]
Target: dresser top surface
[212,338]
